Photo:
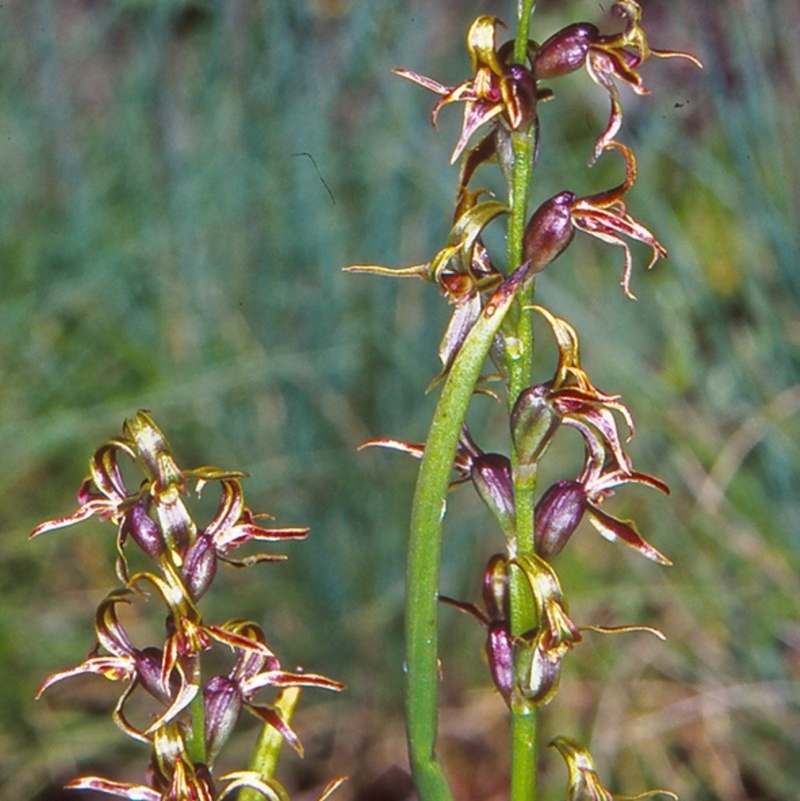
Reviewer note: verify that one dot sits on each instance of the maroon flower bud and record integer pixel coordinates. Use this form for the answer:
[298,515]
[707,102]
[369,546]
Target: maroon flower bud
[533,423]
[223,701]
[149,663]
[142,529]
[521,105]
[200,566]
[565,51]
[549,231]
[557,514]
[491,474]
[495,588]
[499,642]
[500,653]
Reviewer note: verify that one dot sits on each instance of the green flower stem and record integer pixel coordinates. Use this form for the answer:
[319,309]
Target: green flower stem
[519,340]
[519,352]
[520,355]
[424,557]
[519,366]
[524,748]
[524,728]
[196,743]
[524,13]
[270,741]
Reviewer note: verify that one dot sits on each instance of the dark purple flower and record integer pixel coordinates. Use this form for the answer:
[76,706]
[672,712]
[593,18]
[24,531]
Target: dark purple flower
[255,668]
[495,90]
[561,508]
[602,215]
[497,620]
[123,662]
[608,59]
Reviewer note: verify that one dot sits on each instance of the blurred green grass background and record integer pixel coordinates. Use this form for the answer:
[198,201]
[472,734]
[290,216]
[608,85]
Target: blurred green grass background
[181,184]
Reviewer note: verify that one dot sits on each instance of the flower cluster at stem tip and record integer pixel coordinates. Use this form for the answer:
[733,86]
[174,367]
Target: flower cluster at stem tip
[196,714]
[501,99]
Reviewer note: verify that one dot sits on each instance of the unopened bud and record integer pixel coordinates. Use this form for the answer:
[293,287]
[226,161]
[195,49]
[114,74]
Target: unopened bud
[491,474]
[557,515]
[499,642]
[149,673]
[549,231]
[565,51]
[222,704]
[199,566]
[142,529]
[533,424]
[521,110]
[500,653]
[495,588]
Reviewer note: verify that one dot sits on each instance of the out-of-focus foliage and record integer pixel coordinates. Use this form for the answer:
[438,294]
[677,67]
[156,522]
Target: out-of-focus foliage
[181,183]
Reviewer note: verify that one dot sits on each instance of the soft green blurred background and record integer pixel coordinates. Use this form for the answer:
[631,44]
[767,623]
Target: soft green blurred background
[180,184]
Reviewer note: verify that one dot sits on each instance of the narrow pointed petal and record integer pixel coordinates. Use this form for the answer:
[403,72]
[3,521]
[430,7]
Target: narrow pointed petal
[463,318]
[100,507]
[422,80]
[180,700]
[410,448]
[625,531]
[112,667]
[414,271]
[272,717]
[283,678]
[133,792]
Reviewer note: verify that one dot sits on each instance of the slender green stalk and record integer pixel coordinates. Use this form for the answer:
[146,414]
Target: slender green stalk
[524,13]
[424,558]
[524,728]
[519,350]
[520,357]
[524,751]
[196,743]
